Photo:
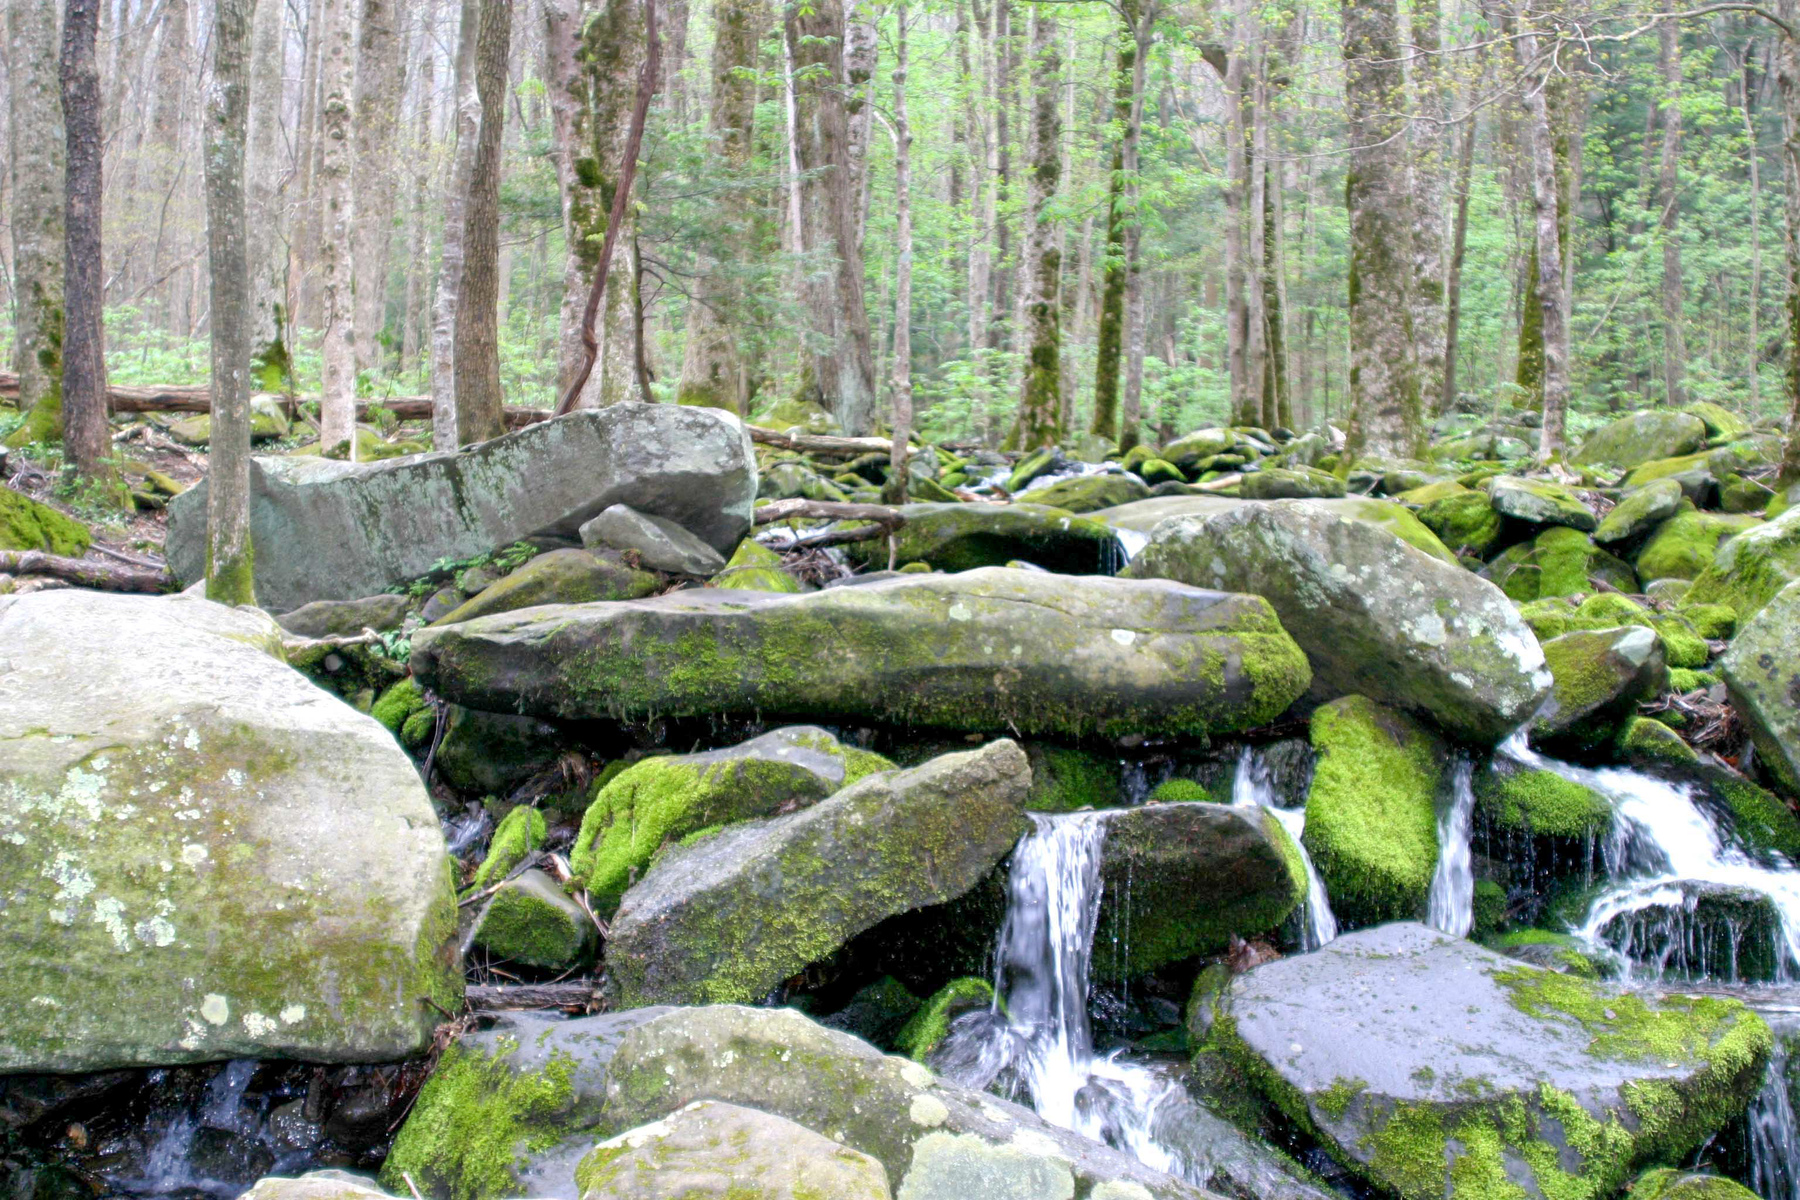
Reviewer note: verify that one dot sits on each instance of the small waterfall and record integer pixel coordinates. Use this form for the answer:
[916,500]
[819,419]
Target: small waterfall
[1131,541]
[168,1166]
[1254,786]
[1774,1140]
[1451,905]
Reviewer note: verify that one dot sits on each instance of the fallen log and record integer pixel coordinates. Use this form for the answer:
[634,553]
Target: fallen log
[580,995]
[88,572]
[820,443]
[883,521]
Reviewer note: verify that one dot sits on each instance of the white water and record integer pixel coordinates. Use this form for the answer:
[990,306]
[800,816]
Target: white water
[1254,785]
[166,1167]
[1774,1141]
[1451,903]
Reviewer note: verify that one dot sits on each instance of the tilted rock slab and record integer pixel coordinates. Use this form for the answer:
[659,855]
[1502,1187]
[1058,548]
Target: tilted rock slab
[1375,615]
[328,530]
[203,855]
[728,917]
[991,650]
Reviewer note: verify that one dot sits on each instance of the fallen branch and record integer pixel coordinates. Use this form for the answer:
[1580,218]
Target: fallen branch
[579,994]
[883,521]
[89,573]
[820,443]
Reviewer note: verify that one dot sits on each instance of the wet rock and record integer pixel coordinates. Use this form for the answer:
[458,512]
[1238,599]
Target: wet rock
[345,618]
[1559,561]
[1762,670]
[1639,512]
[208,856]
[1686,544]
[316,1185]
[977,651]
[329,530]
[1752,567]
[1085,493]
[532,921]
[1600,677]
[1701,931]
[659,543]
[490,753]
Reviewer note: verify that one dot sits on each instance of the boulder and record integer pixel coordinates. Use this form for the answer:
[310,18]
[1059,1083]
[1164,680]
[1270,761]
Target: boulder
[1762,671]
[329,530]
[1686,544]
[1693,473]
[712,1151]
[756,568]
[1435,1068]
[794,481]
[726,917]
[1640,438]
[1373,614]
[1695,930]
[558,577]
[1667,1183]
[1464,521]
[26,524]
[1600,676]
[206,855]
[1371,809]
[1752,567]
[658,542]
[1639,512]
[937,1140]
[1191,448]
[490,753]
[1559,561]
[1085,493]
[1539,502]
[988,650]
[667,798]
[532,921]
[345,618]
[1183,879]
[316,1185]
[963,537]
[1720,421]
[1539,803]
[1295,483]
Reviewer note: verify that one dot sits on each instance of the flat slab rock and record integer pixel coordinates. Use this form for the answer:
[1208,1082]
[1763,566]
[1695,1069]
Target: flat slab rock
[328,530]
[1399,1037]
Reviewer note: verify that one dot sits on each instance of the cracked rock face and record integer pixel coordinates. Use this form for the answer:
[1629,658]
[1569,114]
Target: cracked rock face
[203,855]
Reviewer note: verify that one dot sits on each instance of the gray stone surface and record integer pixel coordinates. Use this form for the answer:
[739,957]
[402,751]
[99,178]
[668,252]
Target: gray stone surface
[660,544]
[1641,437]
[1600,676]
[345,618]
[327,530]
[1640,511]
[202,854]
[1762,671]
[1539,502]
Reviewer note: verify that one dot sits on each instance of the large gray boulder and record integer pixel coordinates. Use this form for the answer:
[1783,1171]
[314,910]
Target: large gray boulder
[1436,1068]
[991,650]
[964,537]
[1641,437]
[937,1140]
[1375,615]
[727,917]
[658,542]
[1762,671]
[327,530]
[203,855]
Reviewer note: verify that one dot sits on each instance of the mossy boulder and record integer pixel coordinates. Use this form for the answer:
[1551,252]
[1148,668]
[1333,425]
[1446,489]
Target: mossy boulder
[1155,470]
[660,801]
[791,412]
[1720,421]
[1762,671]
[1371,811]
[1031,467]
[346,618]
[1642,742]
[1086,493]
[1667,1183]
[928,1027]
[1600,677]
[797,481]
[1693,473]
[533,922]
[1553,616]
[1430,493]
[726,917]
[519,833]
[1290,483]
[1435,1068]
[1639,511]
[206,856]
[1464,521]
[1539,502]
[1559,561]
[1686,544]
[1067,778]
[1374,615]
[986,650]
[1539,803]
[1641,437]
[558,577]
[398,705]
[753,567]
[490,753]
[26,524]
[1752,567]
[963,537]
[1192,448]
[1695,930]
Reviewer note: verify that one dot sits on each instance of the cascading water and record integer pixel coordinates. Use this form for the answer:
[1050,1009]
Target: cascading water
[1254,785]
[1450,905]
[1774,1140]
[168,1168]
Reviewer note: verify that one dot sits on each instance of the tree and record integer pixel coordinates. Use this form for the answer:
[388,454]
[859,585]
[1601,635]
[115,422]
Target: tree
[36,143]
[1040,409]
[1787,68]
[479,399]
[467,121]
[264,173]
[337,380]
[380,80]
[1553,304]
[1668,196]
[903,270]
[1385,416]
[87,444]
[228,549]
[1111,342]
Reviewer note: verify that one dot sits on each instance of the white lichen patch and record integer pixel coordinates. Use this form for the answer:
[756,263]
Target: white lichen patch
[928,1111]
[916,1074]
[1124,637]
[157,931]
[215,1009]
[257,1025]
[193,853]
[109,914]
[293,1014]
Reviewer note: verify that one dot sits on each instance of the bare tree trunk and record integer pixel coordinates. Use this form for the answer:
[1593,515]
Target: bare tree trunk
[1111,338]
[304,240]
[86,441]
[1000,229]
[1787,60]
[1256,317]
[479,399]
[413,319]
[228,550]
[903,235]
[1668,194]
[1428,141]
[860,50]
[981,187]
[380,81]
[1040,409]
[467,118]
[1385,418]
[1459,244]
[265,160]
[337,372]
[1237,191]
[36,143]
[1132,402]
[1552,299]
[1754,315]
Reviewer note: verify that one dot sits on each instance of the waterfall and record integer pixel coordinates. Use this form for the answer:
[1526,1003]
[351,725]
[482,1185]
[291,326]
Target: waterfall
[1774,1145]
[167,1166]
[1451,905]
[1131,541]
[1254,786]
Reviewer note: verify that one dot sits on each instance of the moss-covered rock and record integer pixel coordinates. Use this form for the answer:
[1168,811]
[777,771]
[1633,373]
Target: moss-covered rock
[660,801]
[1762,670]
[1600,677]
[1691,472]
[1560,561]
[519,833]
[927,1028]
[1539,502]
[1539,803]
[1067,778]
[27,525]
[1639,511]
[1291,483]
[1086,493]
[533,922]
[558,577]
[1641,741]
[963,537]
[1668,1183]
[490,753]
[791,412]
[1720,421]
[1155,470]
[1752,567]
[1371,816]
[1181,791]
[1686,544]
[1192,448]
[1464,521]
[1740,495]
[1641,437]
[398,704]
[754,567]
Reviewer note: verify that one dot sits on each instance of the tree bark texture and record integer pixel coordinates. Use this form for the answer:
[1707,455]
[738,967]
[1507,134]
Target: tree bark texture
[36,143]
[337,372]
[265,168]
[87,445]
[1668,195]
[479,398]
[1545,195]
[380,80]
[445,305]
[1040,408]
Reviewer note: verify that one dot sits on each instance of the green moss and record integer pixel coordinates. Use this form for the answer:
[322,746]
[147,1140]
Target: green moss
[1640,739]
[1490,908]
[1464,521]
[1182,791]
[519,833]
[1685,545]
[1065,779]
[1668,1183]
[1371,821]
[927,1027]
[398,703]
[416,733]
[523,926]
[1712,621]
[1686,679]
[1541,803]
[1335,1100]
[1761,819]
[27,525]
[474,1123]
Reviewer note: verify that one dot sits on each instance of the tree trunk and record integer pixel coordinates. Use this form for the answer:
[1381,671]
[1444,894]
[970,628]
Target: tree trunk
[1385,418]
[467,123]
[1754,357]
[710,372]
[36,144]
[1000,229]
[1428,141]
[1459,244]
[478,395]
[981,203]
[264,171]
[903,235]
[1787,59]
[87,444]
[380,81]
[860,50]
[1111,335]
[337,371]
[1552,299]
[1668,196]
[1237,191]
[228,550]
[1132,401]
[417,266]
[1040,408]
[302,252]
[1256,316]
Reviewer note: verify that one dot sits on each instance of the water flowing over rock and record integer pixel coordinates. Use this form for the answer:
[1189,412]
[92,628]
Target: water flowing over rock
[991,650]
[327,530]
[206,856]
[1374,615]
